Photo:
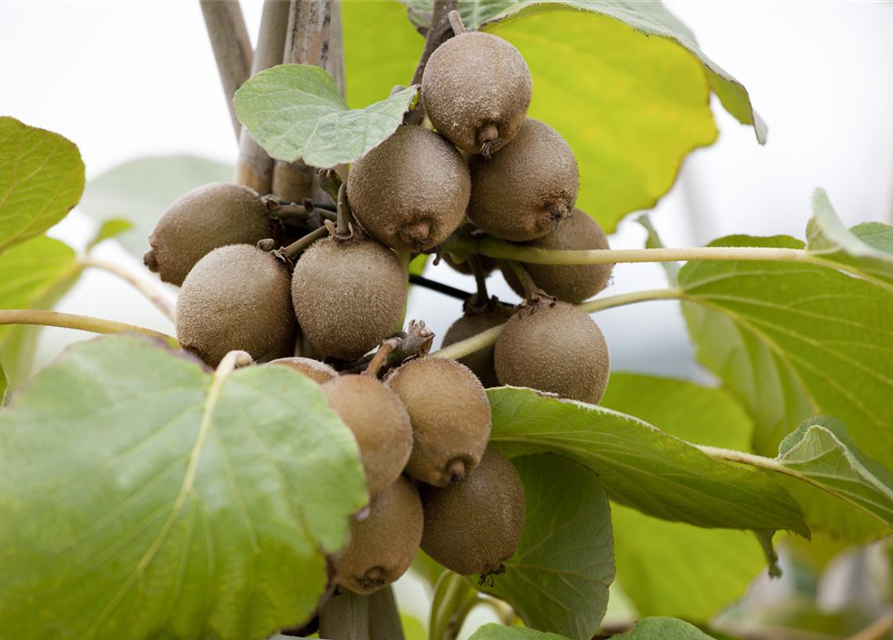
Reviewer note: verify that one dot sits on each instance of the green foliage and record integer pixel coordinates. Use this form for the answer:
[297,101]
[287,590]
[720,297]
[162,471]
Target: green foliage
[297,112]
[641,466]
[41,180]
[663,566]
[793,340]
[497,632]
[141,190]
[111,228]
[558,580]
[180,504]
[34,275]
[663,629]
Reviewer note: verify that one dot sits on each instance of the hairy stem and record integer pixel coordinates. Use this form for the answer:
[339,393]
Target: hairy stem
[155,296]
[439,32]
[232,48]
[523,276]
[297,247]
[488,337]
[480,279]
[72,321]
[255,167]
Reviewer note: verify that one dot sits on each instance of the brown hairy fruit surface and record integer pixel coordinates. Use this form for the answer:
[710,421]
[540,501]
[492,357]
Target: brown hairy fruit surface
[379,423]
[474,526]
[206,218]
[348,295]
[524,191]
[450,417]
[382,546]
[569,283]
[410,192]
[476,90]
[488,264]
[317,371]
[236,297]
[558,349]
[471,324]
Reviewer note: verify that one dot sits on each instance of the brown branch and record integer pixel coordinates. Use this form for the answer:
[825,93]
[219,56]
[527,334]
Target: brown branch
[384,617]
[255,167]
[306,42]
[345,617]
[232,48]
[439,32]
[415,342]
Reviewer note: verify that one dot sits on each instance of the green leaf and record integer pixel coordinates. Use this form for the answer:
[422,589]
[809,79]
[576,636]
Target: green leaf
[631,94]
[140,191]
[794,340]
[867,248]
[498,632]
[641,466]
[296,112]
[3,387]
[426,568]
[33,275]
[143,496]
[664,566]
[110,229]
[558,579]
[664,629]
[41,180]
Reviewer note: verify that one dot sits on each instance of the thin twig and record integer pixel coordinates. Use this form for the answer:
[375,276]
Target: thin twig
[415,342]
[72,321]
[232,48]
[439,287]
[344,217]
[255,167]
[524,278]
[480,279]
[297,247]
[153,295]
[438,33]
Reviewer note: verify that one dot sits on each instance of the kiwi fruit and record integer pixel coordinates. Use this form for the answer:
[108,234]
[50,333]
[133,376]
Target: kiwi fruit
[348,295]
[450,417]
[474,526]
[569,283]
[556,348]
[524,191]
[206,218]
[410,192]
[379,423]
[471,324]
[488,264]
[476,90]
[317,371]
[383,544]
[236,297]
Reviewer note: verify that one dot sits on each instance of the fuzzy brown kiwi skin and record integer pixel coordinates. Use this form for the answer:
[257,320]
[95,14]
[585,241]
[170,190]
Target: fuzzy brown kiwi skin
[379,422]
[472,323]
[204,219]
[556,348]
[236,297]
[568,283]
[410,192]
[527,189]
[382,546]
[476,90]
[474,526]
[317,371]
[450,417]
[348,295]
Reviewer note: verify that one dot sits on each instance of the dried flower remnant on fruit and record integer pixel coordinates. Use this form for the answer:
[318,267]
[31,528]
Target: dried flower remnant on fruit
[383,544]
[207,218]
[235,298]
[476,90]
[411,191]
[450,417]
[530,186]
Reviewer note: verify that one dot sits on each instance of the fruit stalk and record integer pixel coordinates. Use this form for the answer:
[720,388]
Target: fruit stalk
[232,48]
[155,296]
[297,247]
[255,167]
[416,341]
[345,617]
[384,617]
[527,283]
[450,592]
[439,32]
[72,321]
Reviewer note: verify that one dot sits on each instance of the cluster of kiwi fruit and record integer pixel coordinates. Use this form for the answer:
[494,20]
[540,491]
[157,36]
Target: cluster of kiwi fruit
[321,304]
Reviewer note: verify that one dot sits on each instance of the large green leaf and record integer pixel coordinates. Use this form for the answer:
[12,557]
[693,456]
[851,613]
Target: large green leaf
[669,568]
[140,191]
[141,496]
[498,632]
[624,82]
[41,180]
[640,465]
[794,340]
[663,629]
[33,275]
[558,579]
[296,112]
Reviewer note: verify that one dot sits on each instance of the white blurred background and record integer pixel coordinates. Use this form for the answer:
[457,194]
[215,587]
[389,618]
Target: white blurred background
[128,79]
